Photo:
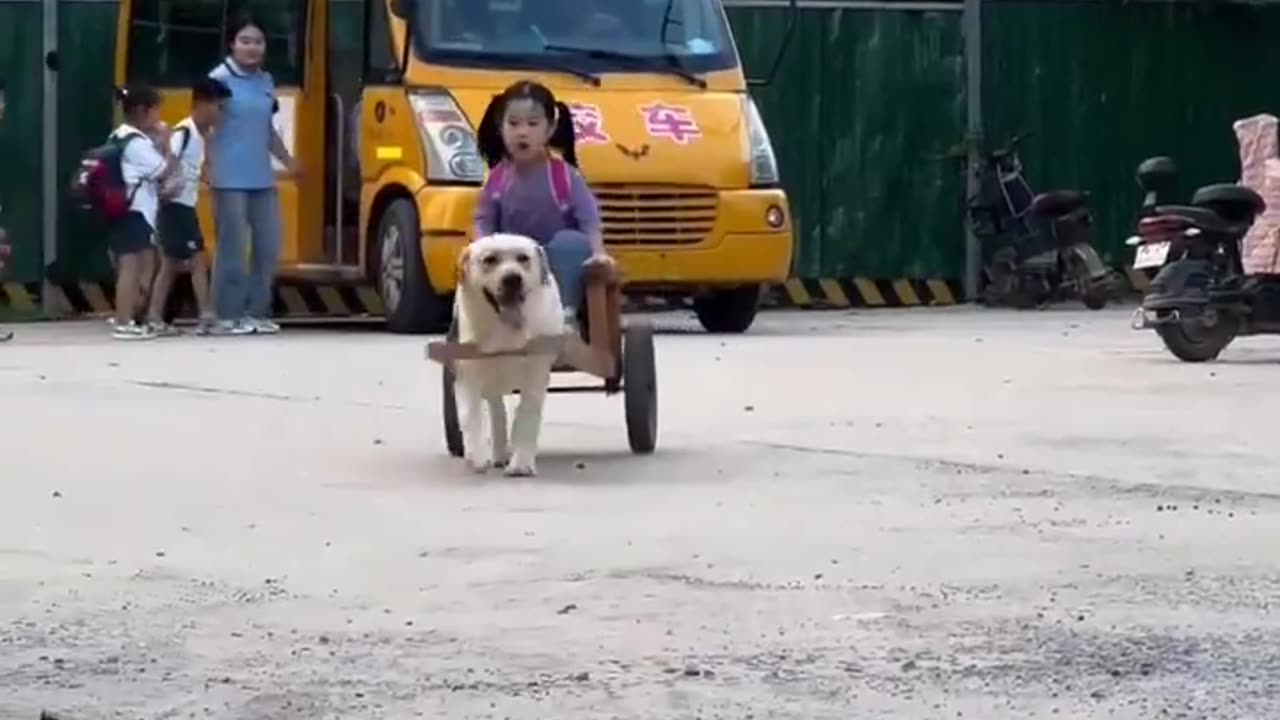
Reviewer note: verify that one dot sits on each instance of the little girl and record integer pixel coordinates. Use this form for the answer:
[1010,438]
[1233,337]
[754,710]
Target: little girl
[533,193]
[145,162]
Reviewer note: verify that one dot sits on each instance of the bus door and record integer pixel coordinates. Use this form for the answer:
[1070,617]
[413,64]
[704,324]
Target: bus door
[344,55]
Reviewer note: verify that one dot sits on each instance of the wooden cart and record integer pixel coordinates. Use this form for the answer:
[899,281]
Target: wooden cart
[622,357]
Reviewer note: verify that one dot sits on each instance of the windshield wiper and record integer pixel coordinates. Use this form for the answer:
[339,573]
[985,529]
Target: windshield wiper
[524,62]
[670,67]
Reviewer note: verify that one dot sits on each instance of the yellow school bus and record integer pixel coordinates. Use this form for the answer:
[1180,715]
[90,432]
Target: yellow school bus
[378,100]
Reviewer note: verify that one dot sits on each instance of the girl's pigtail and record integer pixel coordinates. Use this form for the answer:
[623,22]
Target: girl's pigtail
[563,137]
[489,133]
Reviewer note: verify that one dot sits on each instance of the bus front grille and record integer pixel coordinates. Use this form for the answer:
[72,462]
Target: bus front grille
[656,214]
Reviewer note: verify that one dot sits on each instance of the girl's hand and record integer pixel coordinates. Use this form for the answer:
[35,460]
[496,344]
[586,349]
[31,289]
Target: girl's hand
[601,258]
[160,135]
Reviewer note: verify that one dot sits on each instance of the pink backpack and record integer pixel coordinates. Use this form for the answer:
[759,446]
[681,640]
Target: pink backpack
[559,171]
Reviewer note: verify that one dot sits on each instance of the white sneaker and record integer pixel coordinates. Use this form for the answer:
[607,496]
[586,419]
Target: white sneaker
[205,326]
[230,327]
[133,331]
[262,326]
[163,329]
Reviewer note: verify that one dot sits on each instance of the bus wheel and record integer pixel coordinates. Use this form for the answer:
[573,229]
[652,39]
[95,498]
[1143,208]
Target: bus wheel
[412,306]
[728,310]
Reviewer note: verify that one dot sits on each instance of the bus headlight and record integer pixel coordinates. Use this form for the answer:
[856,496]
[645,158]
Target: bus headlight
[764,164]
[447,138]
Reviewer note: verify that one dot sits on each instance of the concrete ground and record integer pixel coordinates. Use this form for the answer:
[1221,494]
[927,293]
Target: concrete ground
[915,514]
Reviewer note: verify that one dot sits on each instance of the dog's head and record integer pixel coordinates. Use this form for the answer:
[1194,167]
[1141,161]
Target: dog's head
[504,269]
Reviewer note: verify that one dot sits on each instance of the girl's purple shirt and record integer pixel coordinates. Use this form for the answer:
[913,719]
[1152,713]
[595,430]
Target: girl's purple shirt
[528,207]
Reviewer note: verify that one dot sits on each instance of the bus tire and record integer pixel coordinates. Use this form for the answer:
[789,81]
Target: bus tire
[412,305]
[728,310]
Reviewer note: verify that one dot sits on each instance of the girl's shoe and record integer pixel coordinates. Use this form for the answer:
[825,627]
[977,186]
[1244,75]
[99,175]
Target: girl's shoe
[133,331]
[571,320]
[205,326]
[163,329]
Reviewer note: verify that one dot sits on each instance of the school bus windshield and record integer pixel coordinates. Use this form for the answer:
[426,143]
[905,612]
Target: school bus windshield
[591,36]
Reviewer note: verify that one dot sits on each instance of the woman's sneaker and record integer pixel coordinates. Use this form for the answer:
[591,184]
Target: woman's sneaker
[133,331]
[262,326]
[230,327]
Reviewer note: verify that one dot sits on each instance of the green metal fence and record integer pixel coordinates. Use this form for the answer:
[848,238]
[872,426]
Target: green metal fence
[21,134]
[1104,85]
[87,38]
[864,100]
[85,43]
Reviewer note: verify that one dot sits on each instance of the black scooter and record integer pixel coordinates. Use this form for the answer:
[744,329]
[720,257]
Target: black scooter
[1037,247]
[1200,298]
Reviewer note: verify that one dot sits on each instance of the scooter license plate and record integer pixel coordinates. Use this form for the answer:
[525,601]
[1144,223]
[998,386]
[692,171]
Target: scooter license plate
[1151,255]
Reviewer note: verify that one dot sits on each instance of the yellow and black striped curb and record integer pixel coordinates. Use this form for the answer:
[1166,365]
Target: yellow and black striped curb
[20,298]
[294,301]
[291,300]
[299,300]
[865,292]
[304,300]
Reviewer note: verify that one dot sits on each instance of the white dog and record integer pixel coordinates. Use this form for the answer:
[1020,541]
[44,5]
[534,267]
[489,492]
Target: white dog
[506,297]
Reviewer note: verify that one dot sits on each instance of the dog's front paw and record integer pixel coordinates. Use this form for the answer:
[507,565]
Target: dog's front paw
[501,457]
[479,463]
[521,466]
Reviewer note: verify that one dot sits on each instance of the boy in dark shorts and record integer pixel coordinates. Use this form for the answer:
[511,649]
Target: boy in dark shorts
[178,228]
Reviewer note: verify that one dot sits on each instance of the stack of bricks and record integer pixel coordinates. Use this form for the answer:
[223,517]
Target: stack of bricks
[1260,172]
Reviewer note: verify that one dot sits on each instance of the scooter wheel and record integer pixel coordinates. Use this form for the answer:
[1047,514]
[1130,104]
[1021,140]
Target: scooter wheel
[1194,341]
[1031,293]
[1096,297]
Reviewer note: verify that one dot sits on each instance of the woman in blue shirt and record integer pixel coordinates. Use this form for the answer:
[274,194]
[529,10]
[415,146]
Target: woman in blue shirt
[246,209]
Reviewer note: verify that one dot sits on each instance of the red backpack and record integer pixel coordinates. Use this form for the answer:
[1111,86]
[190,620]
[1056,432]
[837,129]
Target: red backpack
[98,184]
[559,170]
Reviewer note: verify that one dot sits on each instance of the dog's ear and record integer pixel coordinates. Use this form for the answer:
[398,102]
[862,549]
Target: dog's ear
[460,266]
[544,265]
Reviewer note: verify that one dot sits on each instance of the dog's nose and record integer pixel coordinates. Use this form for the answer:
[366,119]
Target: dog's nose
[512,282]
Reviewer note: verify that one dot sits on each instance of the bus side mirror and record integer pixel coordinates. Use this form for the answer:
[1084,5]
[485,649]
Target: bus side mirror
[793,12]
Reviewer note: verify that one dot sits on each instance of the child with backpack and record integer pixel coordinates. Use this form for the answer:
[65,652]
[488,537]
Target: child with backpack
[535,193]
[178,227]
[120,183]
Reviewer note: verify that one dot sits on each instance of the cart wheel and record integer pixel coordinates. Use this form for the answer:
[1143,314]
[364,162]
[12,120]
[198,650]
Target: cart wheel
[452,429]
[640,388]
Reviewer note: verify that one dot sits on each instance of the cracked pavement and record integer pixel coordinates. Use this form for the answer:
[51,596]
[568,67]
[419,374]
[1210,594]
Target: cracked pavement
[888,514]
